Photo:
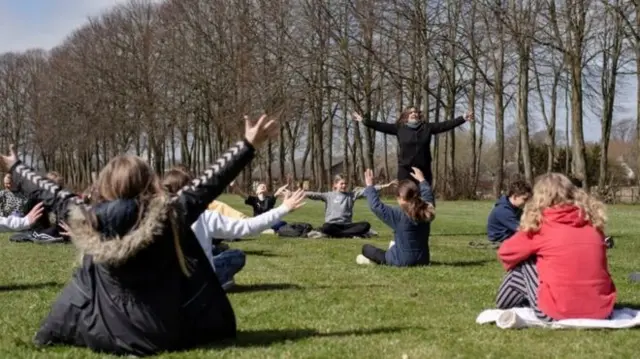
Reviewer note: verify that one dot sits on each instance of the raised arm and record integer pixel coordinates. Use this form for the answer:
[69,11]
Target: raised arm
[387,214]
[196,196]
[439,127]
[426,193]
[358,192]
[388,128]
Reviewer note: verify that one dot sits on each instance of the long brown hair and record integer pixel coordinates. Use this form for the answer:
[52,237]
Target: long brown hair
[404,116]
[130,177]
[413,205]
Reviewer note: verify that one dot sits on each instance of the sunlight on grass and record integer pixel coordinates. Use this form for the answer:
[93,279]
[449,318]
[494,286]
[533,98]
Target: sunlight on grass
[307,298]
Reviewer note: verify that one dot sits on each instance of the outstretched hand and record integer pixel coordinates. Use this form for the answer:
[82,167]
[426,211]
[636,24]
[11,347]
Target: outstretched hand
[417,174]
[294,200]
[9,160]
[469,116]
[281,190]
[368,177]
[35,213]
[257,132]
[356,116]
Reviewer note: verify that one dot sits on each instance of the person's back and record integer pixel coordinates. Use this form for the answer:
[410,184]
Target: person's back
[567,242]
[504,218]
[411,222]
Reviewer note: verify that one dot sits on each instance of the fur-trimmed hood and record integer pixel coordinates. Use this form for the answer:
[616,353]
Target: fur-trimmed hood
[114,246]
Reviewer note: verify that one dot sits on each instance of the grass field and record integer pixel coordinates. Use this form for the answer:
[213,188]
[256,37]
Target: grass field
[308,299]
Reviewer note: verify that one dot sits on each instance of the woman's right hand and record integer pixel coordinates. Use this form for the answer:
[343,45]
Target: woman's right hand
[356,116]
[9,160]
[417,174]
[294,200]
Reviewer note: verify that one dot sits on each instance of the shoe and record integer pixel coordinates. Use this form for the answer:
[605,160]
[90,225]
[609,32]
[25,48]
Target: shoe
[315,234]
[228,284]
[391,244]
[609,242]
[268,231]
[360,259]
[43,238]
[634,277]
[372,233]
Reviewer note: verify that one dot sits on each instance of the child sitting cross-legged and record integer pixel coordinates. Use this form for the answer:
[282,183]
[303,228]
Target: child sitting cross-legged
[557,262]
[338,217]
[411,223]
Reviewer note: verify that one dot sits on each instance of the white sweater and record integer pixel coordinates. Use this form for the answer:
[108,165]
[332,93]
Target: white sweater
[14,223]
[212,224]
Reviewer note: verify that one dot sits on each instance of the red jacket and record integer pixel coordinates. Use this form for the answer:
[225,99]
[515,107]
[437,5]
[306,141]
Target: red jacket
[571,262]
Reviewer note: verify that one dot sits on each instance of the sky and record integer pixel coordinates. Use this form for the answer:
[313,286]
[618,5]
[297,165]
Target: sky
[27,24]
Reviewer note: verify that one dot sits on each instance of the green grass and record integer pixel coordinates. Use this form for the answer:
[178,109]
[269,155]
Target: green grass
[308,298]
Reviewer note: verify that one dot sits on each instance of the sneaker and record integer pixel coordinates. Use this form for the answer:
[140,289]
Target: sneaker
[609,242]
[315,234]
[634,277]
[391,244]
[372,233]
[44,238]
[268,231]
[228,284]
[360,259]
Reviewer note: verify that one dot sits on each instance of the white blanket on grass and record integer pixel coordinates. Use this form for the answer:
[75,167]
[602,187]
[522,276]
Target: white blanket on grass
[517,318]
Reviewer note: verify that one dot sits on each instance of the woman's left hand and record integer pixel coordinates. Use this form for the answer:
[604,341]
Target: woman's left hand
[9,160]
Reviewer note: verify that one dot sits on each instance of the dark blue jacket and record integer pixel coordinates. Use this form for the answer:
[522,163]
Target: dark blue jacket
[503,221]
[130,296]
[411,237]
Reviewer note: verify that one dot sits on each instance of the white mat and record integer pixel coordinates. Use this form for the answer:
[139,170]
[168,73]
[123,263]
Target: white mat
[525,317]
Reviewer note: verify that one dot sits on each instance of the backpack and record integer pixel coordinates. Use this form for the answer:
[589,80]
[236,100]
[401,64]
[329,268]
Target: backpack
[295,230]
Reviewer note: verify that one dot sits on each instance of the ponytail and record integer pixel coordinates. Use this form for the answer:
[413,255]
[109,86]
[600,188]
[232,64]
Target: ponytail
[419,210]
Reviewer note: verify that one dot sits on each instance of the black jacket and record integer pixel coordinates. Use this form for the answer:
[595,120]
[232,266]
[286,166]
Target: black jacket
[129,296]
[414,144]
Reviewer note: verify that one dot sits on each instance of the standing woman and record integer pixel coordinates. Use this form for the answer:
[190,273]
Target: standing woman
[414,139]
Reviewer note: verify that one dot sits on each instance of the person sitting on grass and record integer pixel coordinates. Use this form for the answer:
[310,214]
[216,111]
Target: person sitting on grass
[46,230]
[557,262]
[338,222]
[411,223]
[144,285]
[12,201]
[504,218]
[262,201]
[211,224]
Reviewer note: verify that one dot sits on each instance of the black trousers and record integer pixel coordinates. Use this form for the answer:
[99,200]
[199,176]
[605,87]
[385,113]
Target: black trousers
[404,172]
[374,254]
[345,230]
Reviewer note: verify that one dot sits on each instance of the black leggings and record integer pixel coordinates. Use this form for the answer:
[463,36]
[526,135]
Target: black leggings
[374,254]
[345,230]
[404,172]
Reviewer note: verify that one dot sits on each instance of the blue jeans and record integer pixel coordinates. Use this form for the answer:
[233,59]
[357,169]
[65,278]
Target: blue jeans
[228,263]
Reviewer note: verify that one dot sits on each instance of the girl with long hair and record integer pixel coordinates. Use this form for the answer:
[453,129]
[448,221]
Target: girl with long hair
[557,261]
[411,223]
[144,284]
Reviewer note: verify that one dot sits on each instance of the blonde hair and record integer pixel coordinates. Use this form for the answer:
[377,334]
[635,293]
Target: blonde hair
[556,189]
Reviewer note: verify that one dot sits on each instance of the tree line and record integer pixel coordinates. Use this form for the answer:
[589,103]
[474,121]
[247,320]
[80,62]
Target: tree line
[171,81]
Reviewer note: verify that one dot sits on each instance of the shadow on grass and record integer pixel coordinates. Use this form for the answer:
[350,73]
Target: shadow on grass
[483,234]
[633,306]
[263,287]
[261,253]
[480,262]
[252,338]
[29,286]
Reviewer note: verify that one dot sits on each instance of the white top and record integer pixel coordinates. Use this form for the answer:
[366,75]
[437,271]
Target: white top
[14,223]
[212,224]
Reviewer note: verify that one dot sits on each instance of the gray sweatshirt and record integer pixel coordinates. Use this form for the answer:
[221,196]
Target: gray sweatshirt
[338,205]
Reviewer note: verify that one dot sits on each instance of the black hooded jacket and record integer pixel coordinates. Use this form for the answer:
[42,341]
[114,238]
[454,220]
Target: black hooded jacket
[129,295]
